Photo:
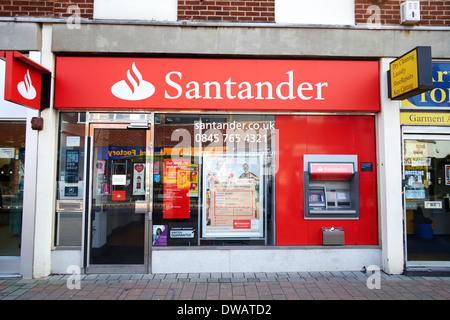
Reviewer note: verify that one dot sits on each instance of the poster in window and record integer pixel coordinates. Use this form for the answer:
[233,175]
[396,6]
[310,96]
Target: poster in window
[232,196]
[139,179]
[160,235]
[414,184]
[193,179]
[72,157]
[447,174]
[176,204]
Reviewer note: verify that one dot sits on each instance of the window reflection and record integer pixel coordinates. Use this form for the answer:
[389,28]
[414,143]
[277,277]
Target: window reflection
[12,160]
[427,194]
[70,179]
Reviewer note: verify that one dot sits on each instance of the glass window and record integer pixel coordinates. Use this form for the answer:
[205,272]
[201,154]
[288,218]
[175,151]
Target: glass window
[71,160]
[213,180]
[12,159]
[427,195]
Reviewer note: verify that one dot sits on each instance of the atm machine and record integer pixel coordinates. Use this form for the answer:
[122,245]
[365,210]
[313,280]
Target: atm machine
[331,186]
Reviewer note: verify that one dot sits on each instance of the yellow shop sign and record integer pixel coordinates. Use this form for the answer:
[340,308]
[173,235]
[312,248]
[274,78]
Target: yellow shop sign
[425,118]
[410,74]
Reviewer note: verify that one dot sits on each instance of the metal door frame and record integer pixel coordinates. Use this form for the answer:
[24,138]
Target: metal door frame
[109,121]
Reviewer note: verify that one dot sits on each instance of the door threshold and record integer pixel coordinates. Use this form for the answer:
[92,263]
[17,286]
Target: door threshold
[139,269]
[427,269]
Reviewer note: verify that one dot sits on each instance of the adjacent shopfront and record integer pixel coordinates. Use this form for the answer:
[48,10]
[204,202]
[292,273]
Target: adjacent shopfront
[12,161]
[426,144]
[176,164]
[16,165]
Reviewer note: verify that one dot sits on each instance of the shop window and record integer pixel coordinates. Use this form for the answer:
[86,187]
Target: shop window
[324,12]
[427,199]
[12,159]
[213,180]
[70,184]
[157,10]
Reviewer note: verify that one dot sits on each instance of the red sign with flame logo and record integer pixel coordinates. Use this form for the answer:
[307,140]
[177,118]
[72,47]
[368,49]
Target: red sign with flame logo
[331,171]
[25,81]
[227,84]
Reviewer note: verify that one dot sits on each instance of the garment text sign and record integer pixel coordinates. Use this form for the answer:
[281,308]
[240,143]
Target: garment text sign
[411,74]
[232,84]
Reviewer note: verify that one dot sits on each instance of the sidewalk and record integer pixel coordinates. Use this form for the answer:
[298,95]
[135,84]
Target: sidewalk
[228,286]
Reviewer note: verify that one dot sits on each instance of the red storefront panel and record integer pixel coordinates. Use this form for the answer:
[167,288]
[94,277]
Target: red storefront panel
[299,135]
[227,84]
[23,80]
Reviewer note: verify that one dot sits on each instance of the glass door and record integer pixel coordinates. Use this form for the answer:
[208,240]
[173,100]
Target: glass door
[12,162]
[118,229]
[426,165]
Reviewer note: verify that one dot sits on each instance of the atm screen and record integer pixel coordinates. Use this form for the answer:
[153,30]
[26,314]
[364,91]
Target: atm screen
[316,197]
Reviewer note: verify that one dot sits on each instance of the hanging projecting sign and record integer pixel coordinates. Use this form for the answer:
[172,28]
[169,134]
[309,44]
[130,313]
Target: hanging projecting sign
[411,74]
[232,84]
[26,82]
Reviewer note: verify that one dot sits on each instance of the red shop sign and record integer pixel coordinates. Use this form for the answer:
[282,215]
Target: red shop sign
[26,82]
[227,84]
[331,171]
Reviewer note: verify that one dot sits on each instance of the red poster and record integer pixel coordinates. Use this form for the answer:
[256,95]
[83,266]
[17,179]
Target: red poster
[231,84]
[176,189]
[118,195]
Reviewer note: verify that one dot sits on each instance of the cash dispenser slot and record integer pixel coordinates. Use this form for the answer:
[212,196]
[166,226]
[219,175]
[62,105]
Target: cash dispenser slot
[331,187]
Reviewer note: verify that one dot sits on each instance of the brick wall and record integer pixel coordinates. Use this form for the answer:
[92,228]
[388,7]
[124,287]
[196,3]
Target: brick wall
[209,10]
[432,12]
[52,8]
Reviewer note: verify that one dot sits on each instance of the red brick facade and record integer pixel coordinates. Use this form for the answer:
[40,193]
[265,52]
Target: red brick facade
[433,12]
[52,8]
[207,10]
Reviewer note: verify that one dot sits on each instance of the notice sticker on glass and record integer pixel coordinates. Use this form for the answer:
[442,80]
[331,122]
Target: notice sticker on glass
[72,141]
[119,179]
[6,153]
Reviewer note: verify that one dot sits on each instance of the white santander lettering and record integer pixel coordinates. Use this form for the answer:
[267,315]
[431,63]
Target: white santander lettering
[285,90]
[208,85]
[289,83]
[193,93]
[319,90]
[304,86]
[173,85]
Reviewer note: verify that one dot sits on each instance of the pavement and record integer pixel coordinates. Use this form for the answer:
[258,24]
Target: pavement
[227,287]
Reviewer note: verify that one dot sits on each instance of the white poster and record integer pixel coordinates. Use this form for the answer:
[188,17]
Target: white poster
[232,196]
[7,153]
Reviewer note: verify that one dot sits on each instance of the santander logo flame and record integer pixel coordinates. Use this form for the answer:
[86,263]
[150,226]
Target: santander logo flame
[134,87]
[26,88]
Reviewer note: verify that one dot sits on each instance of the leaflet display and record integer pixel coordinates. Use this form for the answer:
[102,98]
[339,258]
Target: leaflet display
[331,186]
[233,206]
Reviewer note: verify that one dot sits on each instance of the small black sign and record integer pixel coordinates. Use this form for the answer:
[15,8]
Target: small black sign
[71,191]
[366,166]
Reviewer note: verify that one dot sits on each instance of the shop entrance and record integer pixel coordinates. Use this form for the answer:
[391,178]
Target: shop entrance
[426,165]
[12,165]
[119,221]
